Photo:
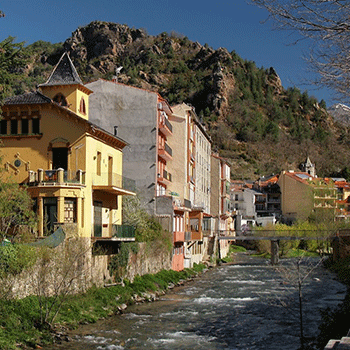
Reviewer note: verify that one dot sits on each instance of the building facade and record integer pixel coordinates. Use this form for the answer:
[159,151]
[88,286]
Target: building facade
[73,169]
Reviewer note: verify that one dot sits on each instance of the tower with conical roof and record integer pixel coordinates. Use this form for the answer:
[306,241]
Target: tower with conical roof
[65,87]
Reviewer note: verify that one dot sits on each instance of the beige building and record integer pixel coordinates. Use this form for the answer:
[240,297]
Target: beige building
[191,178]
[304,196]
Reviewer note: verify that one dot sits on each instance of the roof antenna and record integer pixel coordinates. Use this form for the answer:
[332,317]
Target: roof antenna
[117,71]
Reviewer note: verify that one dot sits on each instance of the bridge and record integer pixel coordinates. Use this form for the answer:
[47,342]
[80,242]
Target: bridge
[290,235]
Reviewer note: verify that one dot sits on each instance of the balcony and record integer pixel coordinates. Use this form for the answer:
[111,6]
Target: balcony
[166,178]
[56,177]
[184,205]
[274,200]
[164,126]
[179,236]
[165,152]
[123,232]
[113,183]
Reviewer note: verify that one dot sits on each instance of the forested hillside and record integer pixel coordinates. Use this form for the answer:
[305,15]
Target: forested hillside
[261,127]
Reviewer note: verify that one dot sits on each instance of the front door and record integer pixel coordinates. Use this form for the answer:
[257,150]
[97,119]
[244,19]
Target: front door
[97,219]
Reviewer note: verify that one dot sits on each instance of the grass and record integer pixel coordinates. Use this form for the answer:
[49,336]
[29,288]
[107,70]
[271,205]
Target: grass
[20,319]
[291,253]
[233,249]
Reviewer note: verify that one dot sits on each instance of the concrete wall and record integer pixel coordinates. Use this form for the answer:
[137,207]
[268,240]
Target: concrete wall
[134,112]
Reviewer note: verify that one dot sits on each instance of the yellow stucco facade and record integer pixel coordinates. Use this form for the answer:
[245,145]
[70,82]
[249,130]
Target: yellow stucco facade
[72,168]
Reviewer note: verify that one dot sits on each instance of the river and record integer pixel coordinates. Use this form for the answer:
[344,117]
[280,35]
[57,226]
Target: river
[244,305]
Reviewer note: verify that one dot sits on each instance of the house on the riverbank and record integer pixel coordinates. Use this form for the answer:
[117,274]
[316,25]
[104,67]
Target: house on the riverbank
[71,167]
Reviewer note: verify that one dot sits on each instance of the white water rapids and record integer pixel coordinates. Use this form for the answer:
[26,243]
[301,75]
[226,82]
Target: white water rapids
[246,305]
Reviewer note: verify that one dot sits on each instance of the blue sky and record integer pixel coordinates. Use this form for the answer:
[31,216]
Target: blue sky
[234,25]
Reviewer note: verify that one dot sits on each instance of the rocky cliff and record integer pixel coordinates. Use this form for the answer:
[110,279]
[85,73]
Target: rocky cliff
[255,122]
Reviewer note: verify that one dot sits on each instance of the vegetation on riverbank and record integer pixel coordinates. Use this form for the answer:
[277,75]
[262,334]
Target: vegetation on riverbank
[233,249]
[20,319]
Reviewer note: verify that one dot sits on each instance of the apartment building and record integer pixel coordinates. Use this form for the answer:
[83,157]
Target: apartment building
[191,169]
[221,198]
[143,118]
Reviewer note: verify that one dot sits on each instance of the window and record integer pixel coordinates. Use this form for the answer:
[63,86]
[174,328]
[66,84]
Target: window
[36,126]
[25,126]
[70,210]
[82,108]
[3,127]
[98,163]
[14,126]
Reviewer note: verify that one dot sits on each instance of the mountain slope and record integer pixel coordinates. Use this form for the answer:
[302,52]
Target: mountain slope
[258,125]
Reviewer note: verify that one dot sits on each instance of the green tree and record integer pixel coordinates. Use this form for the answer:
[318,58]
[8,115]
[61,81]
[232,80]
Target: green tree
[16,210]
[11,61]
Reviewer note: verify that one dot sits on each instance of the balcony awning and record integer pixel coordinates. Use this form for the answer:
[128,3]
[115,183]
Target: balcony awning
[113,190]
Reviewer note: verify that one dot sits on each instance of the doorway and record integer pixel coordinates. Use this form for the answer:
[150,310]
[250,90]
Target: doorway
[60,158]
[97,219]
[50,215]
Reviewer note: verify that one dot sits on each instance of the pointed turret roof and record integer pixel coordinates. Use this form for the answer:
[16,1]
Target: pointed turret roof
[308,162]
[64,73]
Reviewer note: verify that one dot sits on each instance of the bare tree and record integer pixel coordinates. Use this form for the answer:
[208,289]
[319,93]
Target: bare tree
[60,274]
[294,276]
[326,24]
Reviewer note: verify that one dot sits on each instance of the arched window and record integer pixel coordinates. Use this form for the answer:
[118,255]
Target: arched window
[82,108]
[60,99]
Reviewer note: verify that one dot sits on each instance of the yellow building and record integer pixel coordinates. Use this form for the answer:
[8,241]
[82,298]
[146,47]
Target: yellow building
[304,196]
[73,169]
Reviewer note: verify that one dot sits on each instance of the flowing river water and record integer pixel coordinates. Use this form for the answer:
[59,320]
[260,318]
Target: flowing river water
[244,305]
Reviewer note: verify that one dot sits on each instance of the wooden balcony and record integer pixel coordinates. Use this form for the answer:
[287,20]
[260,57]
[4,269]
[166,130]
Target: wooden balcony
[179,236]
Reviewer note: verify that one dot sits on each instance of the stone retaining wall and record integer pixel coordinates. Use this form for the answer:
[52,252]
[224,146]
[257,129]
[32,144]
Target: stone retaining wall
[72,267]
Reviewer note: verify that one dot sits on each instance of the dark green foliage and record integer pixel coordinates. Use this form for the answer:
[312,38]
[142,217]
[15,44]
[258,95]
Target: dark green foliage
[15,258]
[119,261]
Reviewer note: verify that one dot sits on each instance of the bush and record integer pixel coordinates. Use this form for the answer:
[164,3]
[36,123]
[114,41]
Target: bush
[15,258]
